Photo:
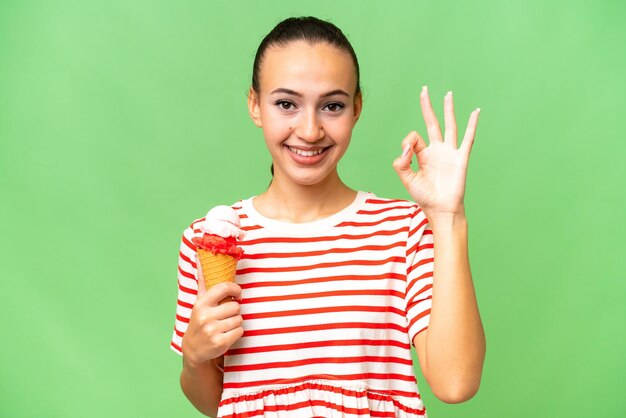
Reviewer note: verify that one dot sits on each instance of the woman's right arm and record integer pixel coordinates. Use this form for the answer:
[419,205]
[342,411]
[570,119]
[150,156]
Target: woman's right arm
[212,329]
[202,385]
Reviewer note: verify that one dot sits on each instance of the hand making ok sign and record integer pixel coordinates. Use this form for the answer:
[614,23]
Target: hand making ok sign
[439,185]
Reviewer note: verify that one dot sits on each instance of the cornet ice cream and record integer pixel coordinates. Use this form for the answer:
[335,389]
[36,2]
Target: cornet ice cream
[217,248]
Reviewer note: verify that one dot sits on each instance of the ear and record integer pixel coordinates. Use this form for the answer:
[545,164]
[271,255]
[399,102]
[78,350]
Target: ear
[253,107]
[358,106]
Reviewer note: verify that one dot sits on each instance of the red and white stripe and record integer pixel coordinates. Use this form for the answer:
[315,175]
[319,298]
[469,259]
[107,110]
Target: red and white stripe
[330,310]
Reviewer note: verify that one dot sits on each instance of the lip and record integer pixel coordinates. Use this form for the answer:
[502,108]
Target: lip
[307,160]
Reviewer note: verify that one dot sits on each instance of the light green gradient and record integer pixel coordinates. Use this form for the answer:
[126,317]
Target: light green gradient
[116,116]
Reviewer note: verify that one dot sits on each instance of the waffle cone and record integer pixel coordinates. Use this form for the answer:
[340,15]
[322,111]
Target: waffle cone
[216,268]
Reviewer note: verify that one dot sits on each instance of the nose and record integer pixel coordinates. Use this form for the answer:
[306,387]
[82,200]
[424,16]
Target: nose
[309,128]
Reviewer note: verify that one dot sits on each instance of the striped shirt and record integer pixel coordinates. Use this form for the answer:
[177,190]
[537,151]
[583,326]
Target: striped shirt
[330,309]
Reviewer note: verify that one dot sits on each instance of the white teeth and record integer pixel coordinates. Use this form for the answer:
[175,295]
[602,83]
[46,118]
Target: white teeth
[305,153]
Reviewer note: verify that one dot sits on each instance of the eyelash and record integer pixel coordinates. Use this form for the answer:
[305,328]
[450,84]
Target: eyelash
[280,103]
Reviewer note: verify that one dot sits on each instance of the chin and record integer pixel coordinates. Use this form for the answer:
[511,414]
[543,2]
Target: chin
[309,180]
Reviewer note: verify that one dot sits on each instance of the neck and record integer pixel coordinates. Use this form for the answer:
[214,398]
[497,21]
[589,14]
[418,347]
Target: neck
[289,202]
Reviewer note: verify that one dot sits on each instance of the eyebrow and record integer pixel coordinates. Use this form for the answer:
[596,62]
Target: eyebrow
[295,93]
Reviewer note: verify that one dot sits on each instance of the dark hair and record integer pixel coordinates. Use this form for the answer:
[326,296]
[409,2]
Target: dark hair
[305,28]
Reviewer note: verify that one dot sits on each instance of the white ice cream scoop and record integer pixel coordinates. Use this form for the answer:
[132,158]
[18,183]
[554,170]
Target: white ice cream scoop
[222,221]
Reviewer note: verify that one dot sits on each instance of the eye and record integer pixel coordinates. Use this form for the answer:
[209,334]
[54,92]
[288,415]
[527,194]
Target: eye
[335,106]
[284,104]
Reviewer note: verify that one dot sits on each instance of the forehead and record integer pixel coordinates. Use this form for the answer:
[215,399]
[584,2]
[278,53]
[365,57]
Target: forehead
[305,67]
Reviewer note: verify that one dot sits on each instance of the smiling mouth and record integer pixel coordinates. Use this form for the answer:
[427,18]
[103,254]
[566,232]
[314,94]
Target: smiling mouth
[307,157]
[307,153]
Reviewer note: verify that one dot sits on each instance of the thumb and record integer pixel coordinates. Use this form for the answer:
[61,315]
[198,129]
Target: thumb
[200,277]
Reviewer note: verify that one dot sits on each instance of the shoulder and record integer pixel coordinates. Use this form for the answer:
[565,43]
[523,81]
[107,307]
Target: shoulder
[400,213]
[377,205]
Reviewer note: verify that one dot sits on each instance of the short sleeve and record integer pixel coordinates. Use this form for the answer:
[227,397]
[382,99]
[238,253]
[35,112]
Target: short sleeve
[187,288]
[420,255]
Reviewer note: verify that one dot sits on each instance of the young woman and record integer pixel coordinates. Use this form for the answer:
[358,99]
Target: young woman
[335,284]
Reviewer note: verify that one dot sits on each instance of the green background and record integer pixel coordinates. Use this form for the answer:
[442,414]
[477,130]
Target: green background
[122,121]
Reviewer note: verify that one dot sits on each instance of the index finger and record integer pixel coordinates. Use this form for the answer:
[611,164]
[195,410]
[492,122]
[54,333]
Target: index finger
[223,292]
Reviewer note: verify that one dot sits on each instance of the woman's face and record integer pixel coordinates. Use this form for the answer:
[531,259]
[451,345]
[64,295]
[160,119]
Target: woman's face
[307,109]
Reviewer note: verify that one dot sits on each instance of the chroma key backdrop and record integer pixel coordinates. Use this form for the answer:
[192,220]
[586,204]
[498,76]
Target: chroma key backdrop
[122,122]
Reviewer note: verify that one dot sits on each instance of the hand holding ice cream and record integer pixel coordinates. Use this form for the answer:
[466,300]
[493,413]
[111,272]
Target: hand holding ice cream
[215,326]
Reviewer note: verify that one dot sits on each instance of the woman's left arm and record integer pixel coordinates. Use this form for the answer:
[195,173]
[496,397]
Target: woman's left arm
[451,350]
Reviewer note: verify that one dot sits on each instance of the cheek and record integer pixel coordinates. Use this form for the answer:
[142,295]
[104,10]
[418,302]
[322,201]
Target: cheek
[275,127]
[276,133]
[340,129]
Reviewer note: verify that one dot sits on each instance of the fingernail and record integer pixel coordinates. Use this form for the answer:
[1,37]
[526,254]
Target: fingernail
[424,89]
[449,93]
[406,150]
[478,109]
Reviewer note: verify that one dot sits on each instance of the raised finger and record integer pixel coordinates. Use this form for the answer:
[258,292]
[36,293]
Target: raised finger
[470,132]
[450,121]
[432,124]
